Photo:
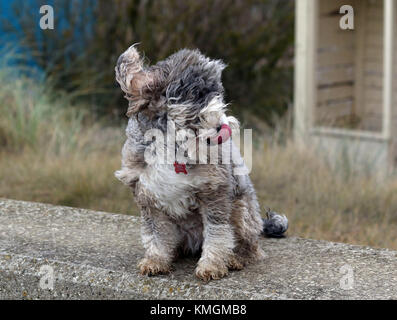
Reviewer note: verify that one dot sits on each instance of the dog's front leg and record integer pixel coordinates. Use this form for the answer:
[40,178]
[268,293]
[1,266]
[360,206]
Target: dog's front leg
[160,239]
[218,244]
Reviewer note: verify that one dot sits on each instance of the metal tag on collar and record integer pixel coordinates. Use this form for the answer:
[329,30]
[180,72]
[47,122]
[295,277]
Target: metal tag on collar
[180,167]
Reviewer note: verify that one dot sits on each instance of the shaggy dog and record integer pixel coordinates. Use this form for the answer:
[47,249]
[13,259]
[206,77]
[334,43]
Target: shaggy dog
[187,206]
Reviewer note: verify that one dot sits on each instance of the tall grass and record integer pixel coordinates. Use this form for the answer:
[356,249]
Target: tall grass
[32,115]
[326,203]
[52,151]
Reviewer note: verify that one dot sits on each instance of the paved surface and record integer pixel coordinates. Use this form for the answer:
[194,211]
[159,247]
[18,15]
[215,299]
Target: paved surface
[93,255]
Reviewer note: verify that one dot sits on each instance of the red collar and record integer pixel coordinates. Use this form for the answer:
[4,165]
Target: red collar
[180,167]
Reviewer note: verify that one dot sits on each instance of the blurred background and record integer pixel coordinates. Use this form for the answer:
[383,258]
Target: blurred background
[62,116]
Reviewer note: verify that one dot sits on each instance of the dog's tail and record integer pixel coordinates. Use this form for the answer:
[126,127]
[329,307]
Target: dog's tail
[274,225]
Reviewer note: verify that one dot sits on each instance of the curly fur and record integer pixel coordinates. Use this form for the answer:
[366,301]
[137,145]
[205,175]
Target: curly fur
[211,210]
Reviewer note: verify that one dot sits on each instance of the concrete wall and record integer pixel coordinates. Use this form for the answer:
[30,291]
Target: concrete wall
[49,252]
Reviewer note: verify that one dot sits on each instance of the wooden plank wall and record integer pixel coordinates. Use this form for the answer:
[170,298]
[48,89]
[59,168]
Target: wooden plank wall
[335,66]
[350,67]
[371,111]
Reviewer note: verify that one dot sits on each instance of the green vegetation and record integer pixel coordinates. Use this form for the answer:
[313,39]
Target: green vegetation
[254,37]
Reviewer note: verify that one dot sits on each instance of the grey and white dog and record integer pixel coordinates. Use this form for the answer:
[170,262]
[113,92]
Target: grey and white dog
[207,209]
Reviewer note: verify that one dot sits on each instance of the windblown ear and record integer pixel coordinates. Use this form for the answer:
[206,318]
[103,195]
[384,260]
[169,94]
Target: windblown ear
[128,65]
[141,92]
[135,80]
[141,81]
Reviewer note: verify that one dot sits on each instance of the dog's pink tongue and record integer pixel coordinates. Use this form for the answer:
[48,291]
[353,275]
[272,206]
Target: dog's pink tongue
[223,135]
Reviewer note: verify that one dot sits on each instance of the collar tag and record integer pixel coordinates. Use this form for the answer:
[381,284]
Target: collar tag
[180,167]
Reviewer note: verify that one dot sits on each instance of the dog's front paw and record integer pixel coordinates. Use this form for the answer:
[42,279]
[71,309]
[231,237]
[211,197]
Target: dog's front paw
[153,267]
[207,271]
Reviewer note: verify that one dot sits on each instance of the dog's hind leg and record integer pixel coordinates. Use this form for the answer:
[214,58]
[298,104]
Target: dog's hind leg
[248,225]
[160,238]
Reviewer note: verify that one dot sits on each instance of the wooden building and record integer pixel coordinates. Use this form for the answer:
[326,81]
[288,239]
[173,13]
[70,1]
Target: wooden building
[345,81]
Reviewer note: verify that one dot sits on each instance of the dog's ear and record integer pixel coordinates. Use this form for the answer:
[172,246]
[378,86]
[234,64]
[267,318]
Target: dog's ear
[135,80]
[140,82]
[128,66]
[141,91]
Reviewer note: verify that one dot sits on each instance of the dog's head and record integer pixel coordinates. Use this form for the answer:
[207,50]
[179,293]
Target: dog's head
[186,86]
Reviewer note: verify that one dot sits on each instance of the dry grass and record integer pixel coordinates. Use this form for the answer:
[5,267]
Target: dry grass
[324,204]
[319,203]
[50,152]
[79,181]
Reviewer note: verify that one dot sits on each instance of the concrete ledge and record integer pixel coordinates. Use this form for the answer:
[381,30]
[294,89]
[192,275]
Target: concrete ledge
[93,255]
